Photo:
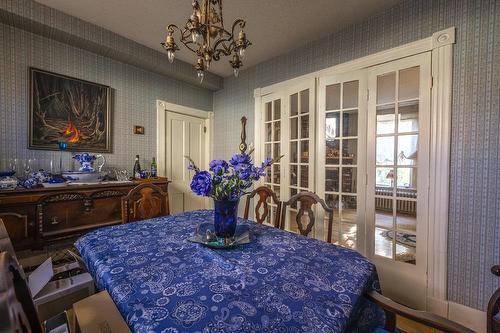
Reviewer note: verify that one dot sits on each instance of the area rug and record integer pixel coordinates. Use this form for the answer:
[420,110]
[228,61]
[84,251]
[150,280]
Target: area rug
[402,238]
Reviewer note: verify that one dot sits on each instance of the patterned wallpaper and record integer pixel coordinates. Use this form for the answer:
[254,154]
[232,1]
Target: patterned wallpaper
[474,224]
[134,92]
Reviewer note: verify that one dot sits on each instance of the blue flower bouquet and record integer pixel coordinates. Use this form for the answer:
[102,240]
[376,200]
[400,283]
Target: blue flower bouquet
[226,182]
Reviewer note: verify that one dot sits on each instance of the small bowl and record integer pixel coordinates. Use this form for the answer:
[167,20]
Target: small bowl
[7,173]
[82,177]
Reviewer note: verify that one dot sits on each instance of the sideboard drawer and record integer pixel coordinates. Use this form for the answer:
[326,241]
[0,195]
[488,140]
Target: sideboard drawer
[75,213]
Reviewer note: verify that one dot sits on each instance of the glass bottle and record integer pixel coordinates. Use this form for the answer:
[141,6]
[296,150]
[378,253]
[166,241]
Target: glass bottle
[154,168]
[137,168]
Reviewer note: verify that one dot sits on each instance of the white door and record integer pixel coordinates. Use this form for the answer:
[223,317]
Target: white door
[185,137]
[271,129]
[397,176]
[341,162]
[299,150]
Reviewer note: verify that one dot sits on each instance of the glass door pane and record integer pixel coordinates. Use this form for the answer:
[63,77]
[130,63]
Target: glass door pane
[341,154]
[396,164]
[300,148]
[397,176]
[272,149]
[341,124]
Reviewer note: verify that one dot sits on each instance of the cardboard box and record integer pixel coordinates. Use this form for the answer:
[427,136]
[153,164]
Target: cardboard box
[59,295]
[98,314]
[53,297]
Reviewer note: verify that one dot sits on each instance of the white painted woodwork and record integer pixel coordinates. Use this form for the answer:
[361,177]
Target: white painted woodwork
[183,131]
[323,82]
[185,137]
[403,282]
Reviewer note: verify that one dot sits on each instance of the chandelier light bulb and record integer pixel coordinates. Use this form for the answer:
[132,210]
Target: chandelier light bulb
[201,75]
[195,35]
[241,52]
[170,56]
[236,71]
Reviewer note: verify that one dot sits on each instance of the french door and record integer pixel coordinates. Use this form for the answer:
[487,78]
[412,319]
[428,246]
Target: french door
[288,120]
[397,181]
[364,148]
[341,162]
[271,130]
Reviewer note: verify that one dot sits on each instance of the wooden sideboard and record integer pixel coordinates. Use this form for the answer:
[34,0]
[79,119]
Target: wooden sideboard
[36,217]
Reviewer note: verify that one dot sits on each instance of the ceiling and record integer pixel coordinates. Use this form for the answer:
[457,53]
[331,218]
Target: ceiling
[274,27]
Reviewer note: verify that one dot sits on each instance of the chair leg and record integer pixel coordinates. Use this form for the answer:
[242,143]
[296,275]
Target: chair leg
[390,321]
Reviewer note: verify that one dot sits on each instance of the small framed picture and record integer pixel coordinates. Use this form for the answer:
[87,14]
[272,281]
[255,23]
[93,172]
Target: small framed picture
[139,129]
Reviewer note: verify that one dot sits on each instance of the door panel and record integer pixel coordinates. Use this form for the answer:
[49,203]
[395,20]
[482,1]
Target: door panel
[397,187]
[185,137]
[299,149]
[341,165]
[272,132]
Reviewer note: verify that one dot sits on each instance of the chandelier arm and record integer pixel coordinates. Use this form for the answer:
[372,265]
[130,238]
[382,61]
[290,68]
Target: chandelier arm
[172,27]
[224,49]
[237,22]
[221,29]
[187,43]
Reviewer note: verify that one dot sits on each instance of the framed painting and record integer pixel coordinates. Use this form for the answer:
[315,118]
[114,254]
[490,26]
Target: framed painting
[67,109]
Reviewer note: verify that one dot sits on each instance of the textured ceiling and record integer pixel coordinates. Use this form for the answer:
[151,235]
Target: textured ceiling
[274,27]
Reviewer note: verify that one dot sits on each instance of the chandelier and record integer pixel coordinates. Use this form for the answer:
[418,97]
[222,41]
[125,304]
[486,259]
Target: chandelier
[205,35]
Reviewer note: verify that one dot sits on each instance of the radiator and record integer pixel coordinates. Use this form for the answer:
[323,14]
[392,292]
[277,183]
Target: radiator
[403,206]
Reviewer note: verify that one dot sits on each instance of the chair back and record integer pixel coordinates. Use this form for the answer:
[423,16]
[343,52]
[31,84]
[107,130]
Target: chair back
[17,310]
[263,207]
[493,311]
[143,202]
[305,217]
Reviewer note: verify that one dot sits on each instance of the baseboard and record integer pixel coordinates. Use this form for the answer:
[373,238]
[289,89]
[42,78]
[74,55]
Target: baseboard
[469,317]
[464,315]
[437,306]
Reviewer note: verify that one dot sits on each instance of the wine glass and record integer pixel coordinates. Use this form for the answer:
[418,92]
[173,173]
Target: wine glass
[13,164]
[27,166]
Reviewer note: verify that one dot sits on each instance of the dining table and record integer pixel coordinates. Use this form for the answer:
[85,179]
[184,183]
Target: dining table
[279,282]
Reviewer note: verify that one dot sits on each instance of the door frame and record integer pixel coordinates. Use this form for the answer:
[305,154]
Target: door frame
[441,46]
[162,143]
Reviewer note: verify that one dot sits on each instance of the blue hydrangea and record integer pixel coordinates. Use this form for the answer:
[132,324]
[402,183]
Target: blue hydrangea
[201,184]
[239,161]
[218,166]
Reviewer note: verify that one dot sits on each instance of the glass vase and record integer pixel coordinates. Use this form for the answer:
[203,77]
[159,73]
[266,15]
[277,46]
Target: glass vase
[225,217]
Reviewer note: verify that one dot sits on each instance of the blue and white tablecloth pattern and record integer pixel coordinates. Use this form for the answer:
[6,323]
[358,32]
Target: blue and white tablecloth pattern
[281,282]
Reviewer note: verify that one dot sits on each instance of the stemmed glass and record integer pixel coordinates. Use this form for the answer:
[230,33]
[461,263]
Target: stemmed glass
[27,167]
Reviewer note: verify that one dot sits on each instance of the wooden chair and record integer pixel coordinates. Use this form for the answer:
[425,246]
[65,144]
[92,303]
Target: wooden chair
[493,311]
[305,201]
[144,201]
[17,311]
[264,193]
[392,309]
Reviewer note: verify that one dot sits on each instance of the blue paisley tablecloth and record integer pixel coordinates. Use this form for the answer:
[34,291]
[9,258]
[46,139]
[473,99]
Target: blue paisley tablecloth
[281,282]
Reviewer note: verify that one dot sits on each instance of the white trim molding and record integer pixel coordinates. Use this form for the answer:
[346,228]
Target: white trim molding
[161,108]
[439,170]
